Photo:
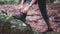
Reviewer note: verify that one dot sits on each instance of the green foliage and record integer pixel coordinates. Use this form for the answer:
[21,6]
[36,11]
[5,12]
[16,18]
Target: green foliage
[9,1]
[5,18]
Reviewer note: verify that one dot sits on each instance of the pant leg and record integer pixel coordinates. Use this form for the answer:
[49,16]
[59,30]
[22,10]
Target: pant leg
[42,7]
[28,1]
[21,17]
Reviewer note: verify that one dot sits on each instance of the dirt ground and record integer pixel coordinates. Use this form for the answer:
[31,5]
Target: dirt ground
[53,12]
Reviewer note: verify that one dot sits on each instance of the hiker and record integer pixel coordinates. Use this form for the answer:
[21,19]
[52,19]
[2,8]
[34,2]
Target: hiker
[22,15]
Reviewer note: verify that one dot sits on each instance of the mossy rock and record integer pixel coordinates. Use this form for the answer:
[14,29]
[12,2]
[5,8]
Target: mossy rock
[9,25]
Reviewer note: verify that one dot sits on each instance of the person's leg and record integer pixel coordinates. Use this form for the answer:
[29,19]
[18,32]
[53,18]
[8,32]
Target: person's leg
[23,14]
[42,7]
